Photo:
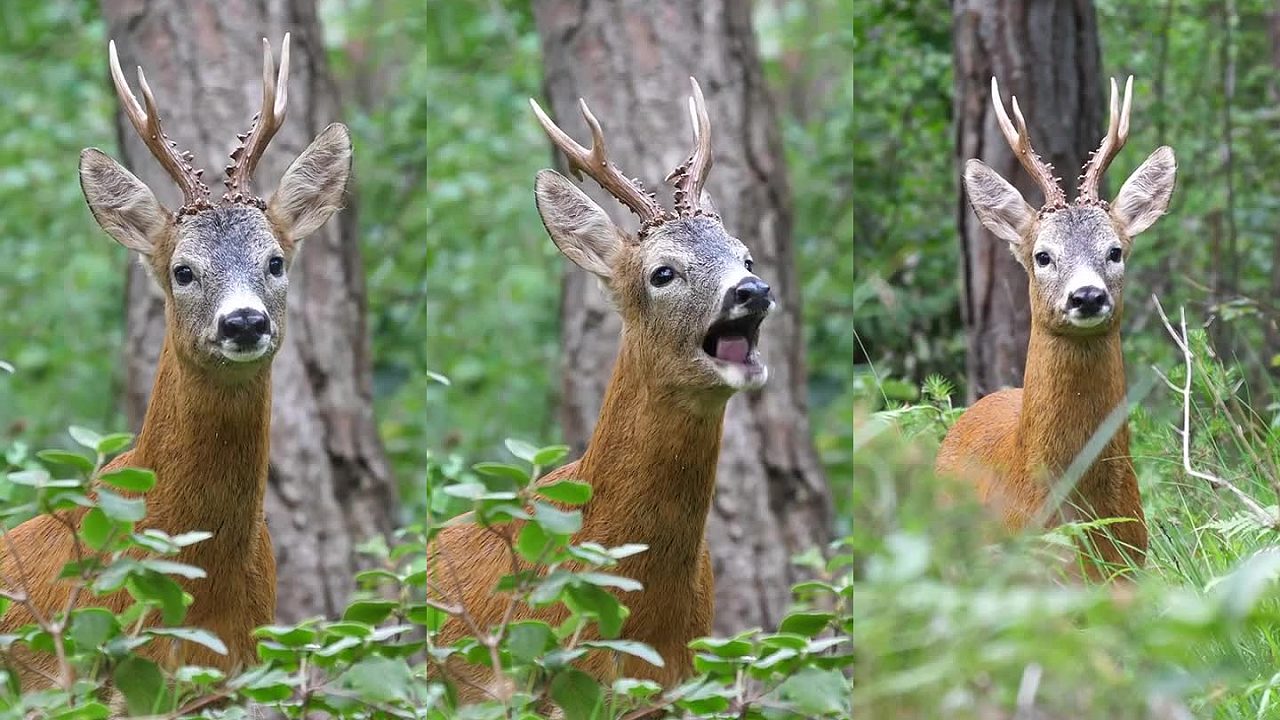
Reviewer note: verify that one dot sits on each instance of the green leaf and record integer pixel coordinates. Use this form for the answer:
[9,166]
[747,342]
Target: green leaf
[121,508]
[577,695]
[130,478]
[85,437]
[805,623]
[522,449]
[114,443]
[370,612]
[569,492]
[722,647]
[625,584]
[817,692]
[92,710]
[557,521]
[528,639]
[198,636]
[95,528]
[162,590]
[377,679]
[142,684]
[532,542]
[504,471]
[197,675]
[91,628]
[61,457]
[30,478]
[168,567]
[591,601]
[550,455]
[639,689]
[290,635]
[191,538]
[629,647]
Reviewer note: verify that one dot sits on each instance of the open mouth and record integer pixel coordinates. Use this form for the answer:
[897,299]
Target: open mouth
[733,341]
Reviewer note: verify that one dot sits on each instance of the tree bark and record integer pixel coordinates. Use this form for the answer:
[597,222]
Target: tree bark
[632,60]
[329,487]
[1046,53]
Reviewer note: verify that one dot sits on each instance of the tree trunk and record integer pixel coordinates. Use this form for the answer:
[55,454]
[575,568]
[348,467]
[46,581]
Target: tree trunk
[632,60]
[330,487]
[1046,53]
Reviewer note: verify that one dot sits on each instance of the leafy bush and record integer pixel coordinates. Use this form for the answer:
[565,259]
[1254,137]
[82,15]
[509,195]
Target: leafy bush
[381,658]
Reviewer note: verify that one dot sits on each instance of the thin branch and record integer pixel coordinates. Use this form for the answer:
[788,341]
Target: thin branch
[1260,513]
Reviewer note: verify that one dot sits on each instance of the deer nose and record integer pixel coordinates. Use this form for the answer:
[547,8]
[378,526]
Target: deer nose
[1088,301]
[244,327]
[753,293]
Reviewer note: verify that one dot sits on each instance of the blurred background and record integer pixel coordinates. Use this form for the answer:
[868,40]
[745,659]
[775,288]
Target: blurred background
[953,620]
[441,253]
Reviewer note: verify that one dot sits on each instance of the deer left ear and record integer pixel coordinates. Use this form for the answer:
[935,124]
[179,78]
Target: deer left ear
[313,186]
[1145,195]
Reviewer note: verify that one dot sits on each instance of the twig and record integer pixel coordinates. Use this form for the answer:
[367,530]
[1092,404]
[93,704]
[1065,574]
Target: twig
[1260,513]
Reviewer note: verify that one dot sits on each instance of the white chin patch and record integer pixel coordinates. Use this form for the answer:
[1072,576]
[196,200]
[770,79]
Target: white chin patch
[1088,322]
[241,355]
[742,376]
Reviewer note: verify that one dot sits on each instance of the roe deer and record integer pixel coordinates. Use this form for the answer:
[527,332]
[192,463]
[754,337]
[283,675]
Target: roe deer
[223,269]
[1016,443]
[691,311]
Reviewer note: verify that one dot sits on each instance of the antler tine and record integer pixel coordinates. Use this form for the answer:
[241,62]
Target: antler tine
[275,95]
[1020,142]
[1117,134]
[690,176]
[595,163]
[147,123]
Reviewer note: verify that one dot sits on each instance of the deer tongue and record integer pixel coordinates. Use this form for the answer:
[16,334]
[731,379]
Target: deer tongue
[732,348]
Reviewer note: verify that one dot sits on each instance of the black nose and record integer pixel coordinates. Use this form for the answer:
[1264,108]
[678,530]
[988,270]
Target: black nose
[1088,300]
[244,327]
[752,293]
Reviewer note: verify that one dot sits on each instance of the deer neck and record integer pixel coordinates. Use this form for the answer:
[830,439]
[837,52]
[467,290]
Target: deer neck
[651,462]
[206,439]
[1072,385]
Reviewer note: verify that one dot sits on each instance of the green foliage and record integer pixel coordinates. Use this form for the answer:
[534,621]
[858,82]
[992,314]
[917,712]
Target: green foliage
[956,620]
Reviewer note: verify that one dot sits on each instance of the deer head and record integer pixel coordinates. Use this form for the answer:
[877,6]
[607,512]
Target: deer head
[683,285]
[223,267]
[1074,253]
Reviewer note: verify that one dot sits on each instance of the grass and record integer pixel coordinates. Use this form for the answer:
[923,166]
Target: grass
[957,620]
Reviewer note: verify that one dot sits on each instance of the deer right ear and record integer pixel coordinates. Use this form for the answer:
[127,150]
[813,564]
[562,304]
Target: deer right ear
[997,204]
[121,203]
[578,226]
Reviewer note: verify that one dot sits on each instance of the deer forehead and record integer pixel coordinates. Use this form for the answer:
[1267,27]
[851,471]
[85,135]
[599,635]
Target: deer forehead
[225,237]
[699,242]
[1079,233]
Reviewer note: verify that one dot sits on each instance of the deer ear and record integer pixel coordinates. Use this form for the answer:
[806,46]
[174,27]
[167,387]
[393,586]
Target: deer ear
[578,226]
[1145,195]
[997,204]
[313,186]
[121,203]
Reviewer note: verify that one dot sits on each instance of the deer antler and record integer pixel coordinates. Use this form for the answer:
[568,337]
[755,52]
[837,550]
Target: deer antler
[147,122]
[1117,134]
[275,94]
[1020,141]
[595,163]
[691,175]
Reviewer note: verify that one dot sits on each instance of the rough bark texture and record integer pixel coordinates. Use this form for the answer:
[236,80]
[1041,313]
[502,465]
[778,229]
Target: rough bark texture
[1045,52]
[632,60]
[330,487]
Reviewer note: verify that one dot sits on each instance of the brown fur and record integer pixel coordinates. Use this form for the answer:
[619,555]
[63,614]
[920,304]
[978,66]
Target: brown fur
[642,433]
[207,443]
[1014,457]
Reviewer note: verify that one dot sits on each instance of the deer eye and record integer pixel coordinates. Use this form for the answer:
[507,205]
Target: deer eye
[750,265]
[183,275]
[1115,255]
[1043,259]
[661,276]
[275,266]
